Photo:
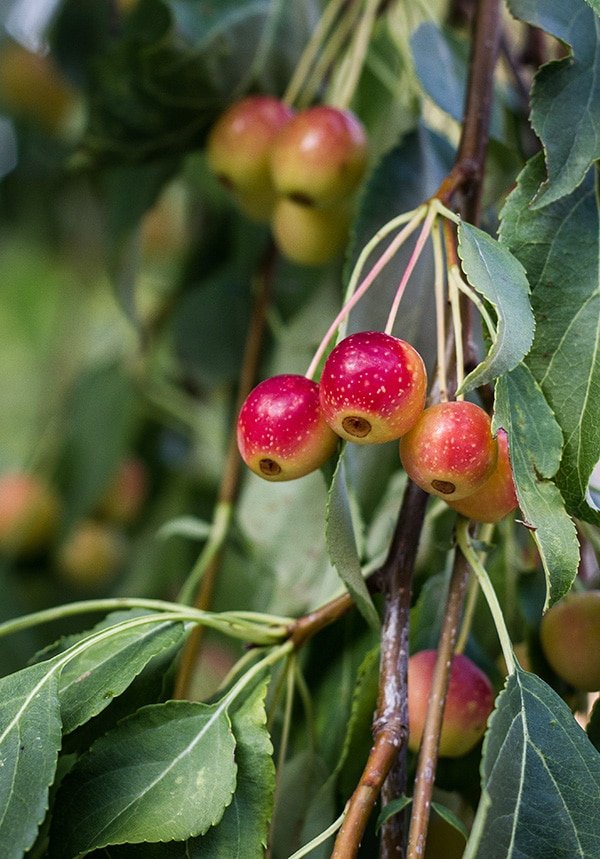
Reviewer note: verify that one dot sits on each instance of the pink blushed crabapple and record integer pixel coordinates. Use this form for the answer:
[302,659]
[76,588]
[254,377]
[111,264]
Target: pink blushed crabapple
[29,514]
[239,151]
[320,156]
[469,703]
[373,387]
[497,497]
[281,431]
[450,451]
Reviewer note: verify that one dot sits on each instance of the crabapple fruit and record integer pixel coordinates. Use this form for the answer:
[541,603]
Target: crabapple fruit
[29,513]
[281,431]
[309,236]
[320,156]
[469,702]
[91,554]
[497,497]
[450,451]
[373,387]
[570,639]
[126,492]
[239,151]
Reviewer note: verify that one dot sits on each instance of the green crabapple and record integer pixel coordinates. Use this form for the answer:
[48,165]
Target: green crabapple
[373,387]
[309,236]
[570,639]
[469,703]
[450,451]
[281,431]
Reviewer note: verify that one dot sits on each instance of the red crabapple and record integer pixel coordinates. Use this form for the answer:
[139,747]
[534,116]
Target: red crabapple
[281,431]
[450,451]
[570,639]
[469,702]
[239,151]
[320,156]
[309,236]
[373,387]
[497,497]
[29,512]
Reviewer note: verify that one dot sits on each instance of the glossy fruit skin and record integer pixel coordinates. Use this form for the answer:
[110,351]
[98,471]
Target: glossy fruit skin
[239,151]
[281,431]
[320,156]
[469,702]
[126,492]
[309,236]
[29,514]
[570,639]
[373,387]
[497,497]
[91,554]
[450,452]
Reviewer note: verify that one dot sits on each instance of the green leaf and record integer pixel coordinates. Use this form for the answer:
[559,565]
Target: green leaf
[450,817]
[565,97]
[540,779]
[243,830]
[391,809]
[495,273]
[535,447]
[184,526]
[593,728]
[302,779]
[341,544]
[90,681]
[560,249]
[166,773]
[30,735]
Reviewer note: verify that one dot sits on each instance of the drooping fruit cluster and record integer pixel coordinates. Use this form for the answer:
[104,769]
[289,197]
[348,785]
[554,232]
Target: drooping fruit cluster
[298,170]
[469,703]
[372,390]
[570,639]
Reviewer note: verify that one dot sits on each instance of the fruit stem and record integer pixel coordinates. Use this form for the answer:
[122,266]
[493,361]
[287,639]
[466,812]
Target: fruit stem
[349,71]
[414,258]
[440,314]
[311,50]
[415,219]
[464,542]
[485,535]
[454,296]
[428,753]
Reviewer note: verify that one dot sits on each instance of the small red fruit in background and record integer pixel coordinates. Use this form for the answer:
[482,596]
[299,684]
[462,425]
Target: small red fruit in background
[497,497]
[570,639]
[239,151]
[91,555]
[309,236]
[320,156]
[450,451]
[373,387]
[126,492]
[29,514]
[469,703]
[281,431]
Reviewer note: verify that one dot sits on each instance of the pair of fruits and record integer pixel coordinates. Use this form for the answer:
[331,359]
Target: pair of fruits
[297,170]
[372,390]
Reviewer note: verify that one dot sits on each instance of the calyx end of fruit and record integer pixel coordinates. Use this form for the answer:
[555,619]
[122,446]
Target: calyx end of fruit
[356,426]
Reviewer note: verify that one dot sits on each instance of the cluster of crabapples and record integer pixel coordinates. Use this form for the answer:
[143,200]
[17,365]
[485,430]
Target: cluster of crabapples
[372,390]
[297,170]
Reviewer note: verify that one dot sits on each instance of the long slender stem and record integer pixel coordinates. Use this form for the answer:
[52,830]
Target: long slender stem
[311,50]
[356,55]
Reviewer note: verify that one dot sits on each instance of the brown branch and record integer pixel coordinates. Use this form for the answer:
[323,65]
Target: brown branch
[230,479]
[428,753]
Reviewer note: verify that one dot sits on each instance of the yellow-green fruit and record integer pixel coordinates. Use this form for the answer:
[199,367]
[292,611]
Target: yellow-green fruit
[29,514]
[91,555]
[309,236]
[570,639]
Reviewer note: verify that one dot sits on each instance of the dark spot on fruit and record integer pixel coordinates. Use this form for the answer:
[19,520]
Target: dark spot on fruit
[357,427]
[301,199]
[444,486]
[269,467]
[225,181]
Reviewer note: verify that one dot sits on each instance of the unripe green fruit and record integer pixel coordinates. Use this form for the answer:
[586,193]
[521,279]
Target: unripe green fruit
[570,639]
[91,555]
[239,151]
[29,514]
[320,156]
[469,702]
[126,492]
[450,452]
[309,236]
[497,497]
